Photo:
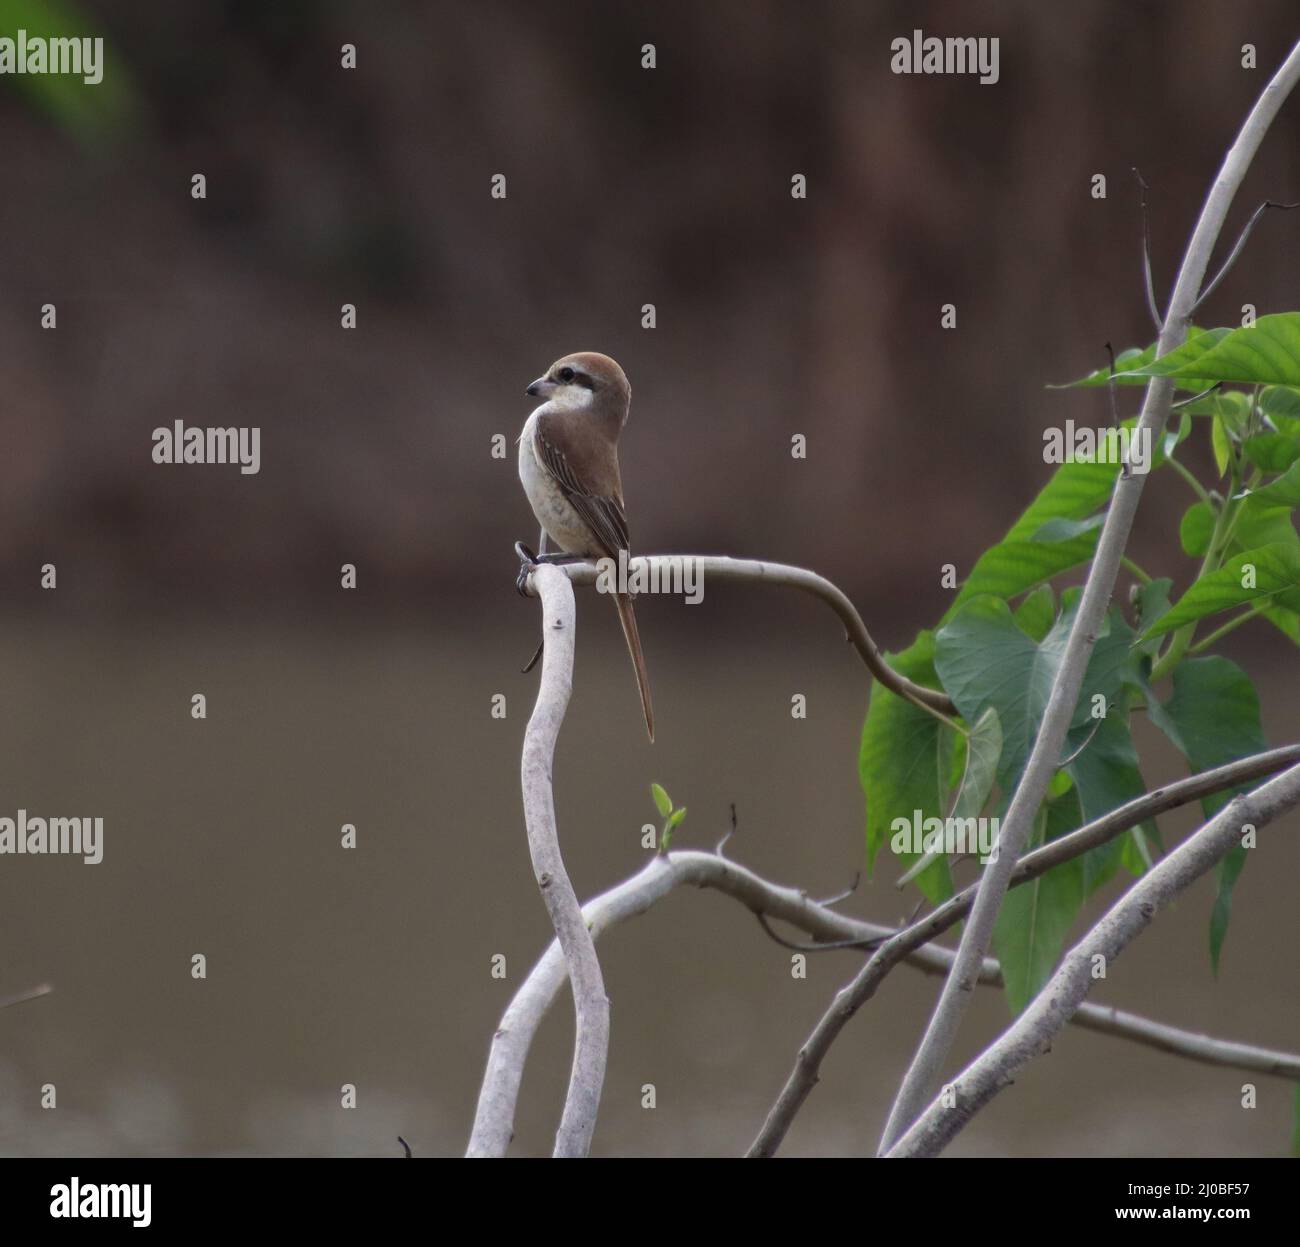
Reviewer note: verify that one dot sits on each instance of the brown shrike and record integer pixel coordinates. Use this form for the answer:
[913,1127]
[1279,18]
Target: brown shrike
[568,463]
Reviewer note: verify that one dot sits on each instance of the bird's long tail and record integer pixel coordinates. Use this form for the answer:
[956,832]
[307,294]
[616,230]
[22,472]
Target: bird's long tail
[625,616]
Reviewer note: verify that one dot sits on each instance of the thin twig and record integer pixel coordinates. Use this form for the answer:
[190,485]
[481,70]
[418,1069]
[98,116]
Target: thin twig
[1213,284]
[1148,282]
[923,1073]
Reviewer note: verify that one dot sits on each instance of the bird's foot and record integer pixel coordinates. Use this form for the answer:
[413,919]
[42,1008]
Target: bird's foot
[527,561]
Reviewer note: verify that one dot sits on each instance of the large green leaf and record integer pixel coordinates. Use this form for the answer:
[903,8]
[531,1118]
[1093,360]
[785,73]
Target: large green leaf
[1036,917]
[985,659]
[1213,718]
[1022,560]
[1130,364]
[904,762]
[1265,353]
[982,749]
[1037,612]
[1272,452]
[1283,492]
[1276,578]
[1106,775]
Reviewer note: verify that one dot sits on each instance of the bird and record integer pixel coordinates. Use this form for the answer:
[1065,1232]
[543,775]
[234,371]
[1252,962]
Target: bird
[568,466]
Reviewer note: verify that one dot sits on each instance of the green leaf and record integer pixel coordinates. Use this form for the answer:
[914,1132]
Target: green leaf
[91,113]
[1136,856]
[1129,364]
[1214,712]
[1232,405]
[1153,601]
[984,659]
[1106,775]
[1221,445]
[1036,916]
[1261,524]
[1036,612]
[1281,404]
[1274,452]
[1276,574]
[1265,353]
[1229,871]
[1074,491]
[1175,437]
[904,763]
[983,746]
[1061,783]
[1011,567]
[1018,562]
[1285,491]
[1196,529]
[675,818]
[663,803]
[1285,621]
[1061,529]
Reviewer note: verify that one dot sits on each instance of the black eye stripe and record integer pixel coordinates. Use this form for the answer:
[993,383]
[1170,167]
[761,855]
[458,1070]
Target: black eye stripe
[571,376]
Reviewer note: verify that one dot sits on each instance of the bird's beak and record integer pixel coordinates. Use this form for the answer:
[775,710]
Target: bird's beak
[543,385]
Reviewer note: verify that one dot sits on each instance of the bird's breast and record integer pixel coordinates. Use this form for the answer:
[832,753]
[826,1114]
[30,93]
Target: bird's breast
[554,512]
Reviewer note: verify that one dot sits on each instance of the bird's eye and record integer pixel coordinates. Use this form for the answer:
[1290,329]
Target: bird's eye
[565,374]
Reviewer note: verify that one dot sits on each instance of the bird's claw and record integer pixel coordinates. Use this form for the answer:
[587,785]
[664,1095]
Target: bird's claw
[527,562]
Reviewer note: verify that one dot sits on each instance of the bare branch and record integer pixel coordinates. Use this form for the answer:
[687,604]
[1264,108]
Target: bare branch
[721,567]
[926,1066]
[691,868]
[493,1123]
[903,944]
[1032,1032]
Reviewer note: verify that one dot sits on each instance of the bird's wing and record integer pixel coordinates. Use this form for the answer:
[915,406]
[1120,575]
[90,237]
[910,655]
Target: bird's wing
[602,512]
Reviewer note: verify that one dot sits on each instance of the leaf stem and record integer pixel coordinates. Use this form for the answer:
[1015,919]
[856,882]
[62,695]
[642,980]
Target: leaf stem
[1136,571]
[1187,475]
[1224,522]
[1222,631]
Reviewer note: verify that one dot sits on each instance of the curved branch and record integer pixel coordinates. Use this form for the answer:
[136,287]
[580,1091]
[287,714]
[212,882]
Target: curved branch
[493,1122]
[849,999]
[687,867]
[927,1064]
[1031,1033]
[722,567]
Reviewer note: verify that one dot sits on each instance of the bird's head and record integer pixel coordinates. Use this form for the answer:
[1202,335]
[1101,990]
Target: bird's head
[584,379]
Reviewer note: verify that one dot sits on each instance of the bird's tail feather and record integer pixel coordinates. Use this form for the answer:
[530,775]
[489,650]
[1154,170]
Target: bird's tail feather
[625,616]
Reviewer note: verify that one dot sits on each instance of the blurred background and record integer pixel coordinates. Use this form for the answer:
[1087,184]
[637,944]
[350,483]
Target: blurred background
[775,316]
